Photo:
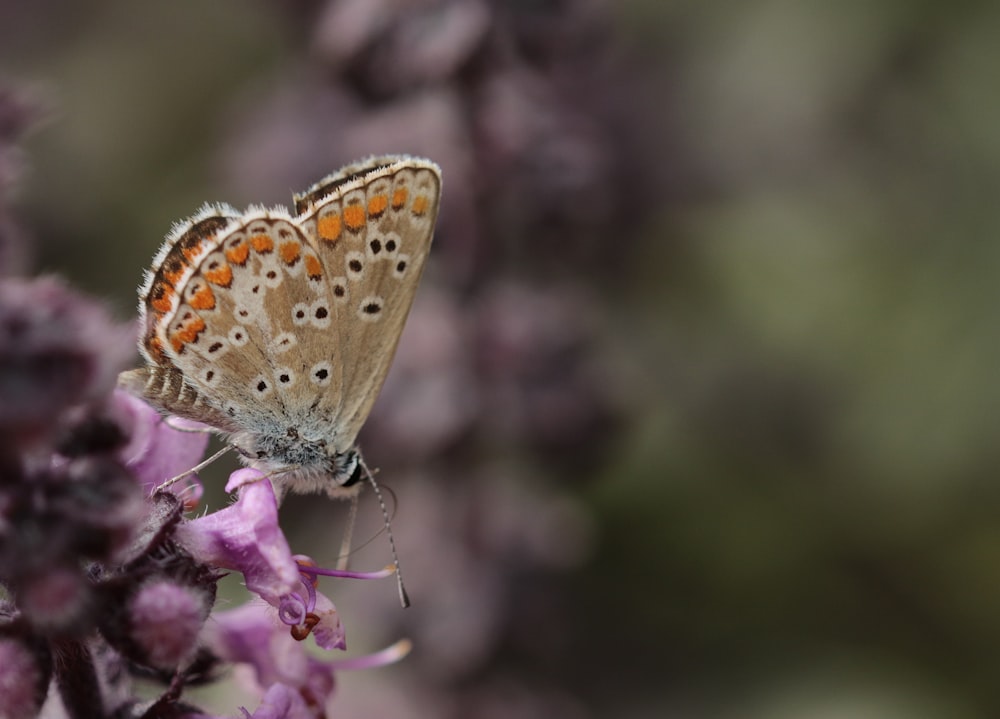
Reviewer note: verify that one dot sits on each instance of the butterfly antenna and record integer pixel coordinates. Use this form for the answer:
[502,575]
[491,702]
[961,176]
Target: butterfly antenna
[403,598]
[197,468]
[345,544]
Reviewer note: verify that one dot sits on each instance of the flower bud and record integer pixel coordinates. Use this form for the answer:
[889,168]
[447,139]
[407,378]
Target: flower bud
[165,620]
[24,678]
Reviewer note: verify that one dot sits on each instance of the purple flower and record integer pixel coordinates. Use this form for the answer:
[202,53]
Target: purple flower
[104,579]
[24,677]
[159,449]
[282,702]
[102,570]
[246,537]
[250,635]
[55,599]
[166,619]
[327,629]
[57,350]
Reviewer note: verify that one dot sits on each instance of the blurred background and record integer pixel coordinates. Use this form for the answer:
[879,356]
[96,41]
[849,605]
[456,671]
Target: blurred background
[695,413]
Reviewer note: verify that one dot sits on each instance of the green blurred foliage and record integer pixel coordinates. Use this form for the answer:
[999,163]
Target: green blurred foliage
[807,515]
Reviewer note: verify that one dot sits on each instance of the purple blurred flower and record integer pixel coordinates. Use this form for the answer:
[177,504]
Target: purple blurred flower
[251,635]
[282,702]
[159,449]
[166,619]
[103,571]
[57,350]
[24,677]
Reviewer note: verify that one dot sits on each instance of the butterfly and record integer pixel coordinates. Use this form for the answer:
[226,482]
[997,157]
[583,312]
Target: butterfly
[278,330]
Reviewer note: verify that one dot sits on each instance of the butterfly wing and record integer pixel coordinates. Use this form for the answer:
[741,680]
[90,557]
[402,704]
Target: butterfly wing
[280,330]
[372,226]
[160,381]
[249,329]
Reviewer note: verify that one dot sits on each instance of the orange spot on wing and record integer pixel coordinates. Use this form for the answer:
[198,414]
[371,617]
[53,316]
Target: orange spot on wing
[354,217]
[222,275]
[203,299]
[161,297]
[191,250]
[173,270]
[313,267]
[329,227]
[161,304]
[188,333]
[262,243]
[377,205]
[155,347]
[419,205]
[399,197]
[237,254]
[290,252]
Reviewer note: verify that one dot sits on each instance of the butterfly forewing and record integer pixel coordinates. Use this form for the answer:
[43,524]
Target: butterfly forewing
[373,235]
[353,173]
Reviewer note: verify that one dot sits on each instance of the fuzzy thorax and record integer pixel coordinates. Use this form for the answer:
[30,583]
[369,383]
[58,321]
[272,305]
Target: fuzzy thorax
[300,464]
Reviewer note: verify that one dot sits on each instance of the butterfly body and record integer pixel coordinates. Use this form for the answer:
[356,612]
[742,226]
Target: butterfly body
[279,330]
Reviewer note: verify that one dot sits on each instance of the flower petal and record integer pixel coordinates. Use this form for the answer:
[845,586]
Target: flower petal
[245,536]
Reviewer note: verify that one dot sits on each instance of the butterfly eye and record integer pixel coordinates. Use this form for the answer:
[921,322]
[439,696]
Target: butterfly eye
[350,471]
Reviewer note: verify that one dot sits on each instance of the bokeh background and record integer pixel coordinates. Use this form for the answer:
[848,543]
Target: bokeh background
[696,413]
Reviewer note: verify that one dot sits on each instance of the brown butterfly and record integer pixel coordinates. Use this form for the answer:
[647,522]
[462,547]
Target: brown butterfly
[278,330]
